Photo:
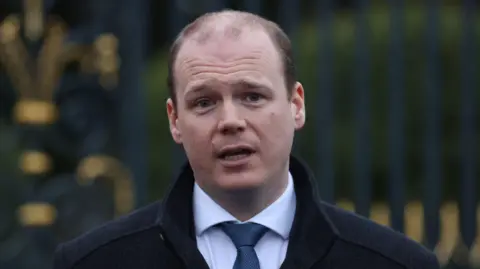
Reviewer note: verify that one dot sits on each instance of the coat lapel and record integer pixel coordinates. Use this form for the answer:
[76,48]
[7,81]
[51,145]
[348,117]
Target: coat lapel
[312,232]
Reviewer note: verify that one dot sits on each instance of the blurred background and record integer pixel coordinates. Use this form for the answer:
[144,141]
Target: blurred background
[393,126]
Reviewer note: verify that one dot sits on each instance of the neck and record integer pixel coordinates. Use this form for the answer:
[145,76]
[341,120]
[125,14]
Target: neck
[245,204]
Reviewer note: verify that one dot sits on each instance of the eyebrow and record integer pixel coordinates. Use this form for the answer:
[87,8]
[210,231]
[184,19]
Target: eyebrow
[251,84]
[199,87]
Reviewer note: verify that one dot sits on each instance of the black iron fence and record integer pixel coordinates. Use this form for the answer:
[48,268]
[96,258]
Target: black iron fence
[383,76]
[392,130]
[73,133]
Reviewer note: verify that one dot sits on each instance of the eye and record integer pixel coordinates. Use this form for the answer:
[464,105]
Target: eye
[253,97]
[203,103]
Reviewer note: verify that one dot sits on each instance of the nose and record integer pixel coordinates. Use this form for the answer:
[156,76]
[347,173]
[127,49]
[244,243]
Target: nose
[231,122]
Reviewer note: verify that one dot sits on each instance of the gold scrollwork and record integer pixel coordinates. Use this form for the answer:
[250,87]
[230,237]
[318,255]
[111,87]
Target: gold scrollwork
[36,89]
[9,29]
[449,246]
[37,214]
[15,58]
[107,60]
[380,213]
[35,162]
[414,221]
[101,57]
[49,65]
[35,112]
[102,166]
[449,234]
[33,19]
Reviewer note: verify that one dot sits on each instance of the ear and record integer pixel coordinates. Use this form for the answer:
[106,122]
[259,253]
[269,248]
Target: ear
[298,106]
[173,121]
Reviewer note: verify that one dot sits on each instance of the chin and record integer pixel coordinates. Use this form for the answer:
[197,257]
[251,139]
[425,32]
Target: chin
[240,181]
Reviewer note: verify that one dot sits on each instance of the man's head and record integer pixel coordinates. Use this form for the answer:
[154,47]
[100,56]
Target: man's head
[236,20]
[235,103]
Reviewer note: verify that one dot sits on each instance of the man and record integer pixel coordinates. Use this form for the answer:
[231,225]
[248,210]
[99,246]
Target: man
[242,201]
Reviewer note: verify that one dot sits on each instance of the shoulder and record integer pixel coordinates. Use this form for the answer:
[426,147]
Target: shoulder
[138,221]
[363,233]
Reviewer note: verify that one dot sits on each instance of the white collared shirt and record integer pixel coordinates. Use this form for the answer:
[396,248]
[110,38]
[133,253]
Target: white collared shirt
[217,248]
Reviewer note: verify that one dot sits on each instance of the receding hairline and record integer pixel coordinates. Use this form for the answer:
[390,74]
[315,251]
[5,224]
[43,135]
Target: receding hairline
[230,19]
[233,23]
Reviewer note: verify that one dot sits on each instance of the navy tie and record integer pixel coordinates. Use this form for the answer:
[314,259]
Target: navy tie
[245,237]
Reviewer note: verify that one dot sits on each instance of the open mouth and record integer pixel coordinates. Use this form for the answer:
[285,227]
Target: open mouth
[234,154]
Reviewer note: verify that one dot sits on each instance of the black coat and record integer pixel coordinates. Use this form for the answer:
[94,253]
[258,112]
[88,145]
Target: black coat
[323,236]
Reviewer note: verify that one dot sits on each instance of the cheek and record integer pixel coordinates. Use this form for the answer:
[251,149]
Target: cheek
[277,130]
[196,137]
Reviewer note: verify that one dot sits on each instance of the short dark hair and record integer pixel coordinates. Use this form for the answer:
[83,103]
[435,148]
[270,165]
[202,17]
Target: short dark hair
[278,36]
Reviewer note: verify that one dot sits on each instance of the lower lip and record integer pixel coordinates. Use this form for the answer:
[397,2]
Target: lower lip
[237,161]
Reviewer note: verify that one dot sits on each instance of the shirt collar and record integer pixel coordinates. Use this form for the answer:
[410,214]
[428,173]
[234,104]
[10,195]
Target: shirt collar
[278,217]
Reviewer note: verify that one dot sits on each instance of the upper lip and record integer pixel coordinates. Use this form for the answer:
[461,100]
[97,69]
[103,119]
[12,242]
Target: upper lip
[226,149]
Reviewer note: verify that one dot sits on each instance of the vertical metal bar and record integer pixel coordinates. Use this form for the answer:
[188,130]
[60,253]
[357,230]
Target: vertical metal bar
[324,117]
[288,12]
[396,116]
[288,18]
[468,114]
[177,20]
[253,6]
[362,180]
[133,128]
[433,176]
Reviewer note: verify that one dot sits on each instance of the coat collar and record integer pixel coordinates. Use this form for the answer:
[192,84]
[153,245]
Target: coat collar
[312,232]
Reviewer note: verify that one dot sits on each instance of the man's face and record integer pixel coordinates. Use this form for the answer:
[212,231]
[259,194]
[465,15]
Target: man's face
[233,114]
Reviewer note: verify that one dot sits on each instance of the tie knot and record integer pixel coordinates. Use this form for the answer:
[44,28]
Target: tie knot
[242,235]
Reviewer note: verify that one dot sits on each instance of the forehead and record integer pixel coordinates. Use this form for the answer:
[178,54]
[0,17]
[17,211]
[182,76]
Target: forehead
[227,53]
